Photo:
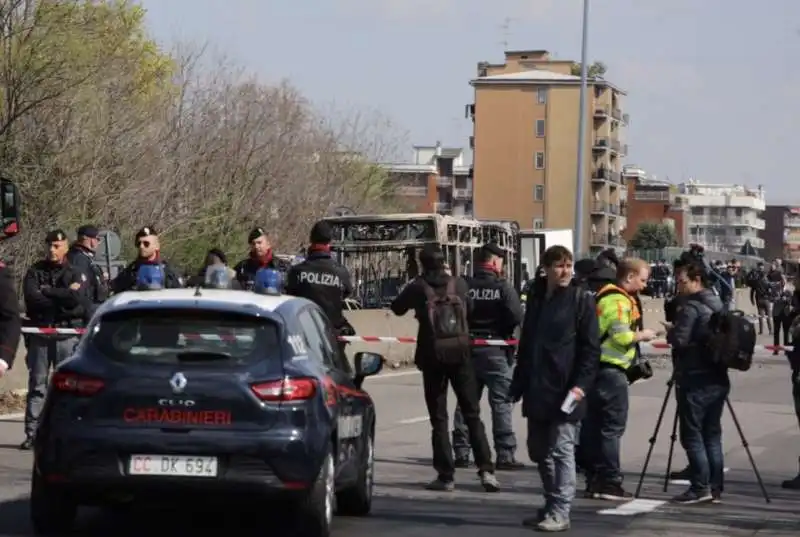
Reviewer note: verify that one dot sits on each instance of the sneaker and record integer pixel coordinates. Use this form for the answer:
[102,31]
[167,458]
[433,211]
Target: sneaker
[591,490]
[691,497]
[462,462]
[553,523]
[716,497]
[613,492]
[509,464]
[489,482]
[681,475]
[441,485]
[792,484]
[26,445]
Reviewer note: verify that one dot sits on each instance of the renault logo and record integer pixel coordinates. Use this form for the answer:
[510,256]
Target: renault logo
[178,383]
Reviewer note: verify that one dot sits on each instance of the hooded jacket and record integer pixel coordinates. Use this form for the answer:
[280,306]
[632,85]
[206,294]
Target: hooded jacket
[413,297]
[690,334]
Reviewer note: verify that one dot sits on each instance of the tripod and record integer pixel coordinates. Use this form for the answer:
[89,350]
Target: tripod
[674,436]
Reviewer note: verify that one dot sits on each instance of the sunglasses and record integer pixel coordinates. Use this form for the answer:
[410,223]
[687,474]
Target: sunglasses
[146,244]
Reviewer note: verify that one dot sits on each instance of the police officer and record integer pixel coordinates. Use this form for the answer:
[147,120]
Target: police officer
[496,313]
[149,253]
[55,297]
[81,257]
[321,279]
[261,256]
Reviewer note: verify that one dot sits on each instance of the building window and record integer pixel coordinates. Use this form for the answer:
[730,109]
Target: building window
[540,160]
[540,128]
[538,223]
[538,193]
[541,95]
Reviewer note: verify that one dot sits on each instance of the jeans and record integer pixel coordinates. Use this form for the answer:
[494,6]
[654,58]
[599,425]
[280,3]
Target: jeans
[551,445]
[764,309]
[435,379]
[781,325]
[44,354]
[700,405]
[604,426]
[796,393]
[493,372]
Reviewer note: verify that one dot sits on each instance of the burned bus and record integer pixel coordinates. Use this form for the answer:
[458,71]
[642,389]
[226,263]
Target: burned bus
[382,251]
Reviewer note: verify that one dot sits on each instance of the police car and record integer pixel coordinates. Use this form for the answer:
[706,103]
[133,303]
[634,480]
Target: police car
[180,392]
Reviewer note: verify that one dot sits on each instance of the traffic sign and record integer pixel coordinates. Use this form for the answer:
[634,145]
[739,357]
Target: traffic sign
[110,246]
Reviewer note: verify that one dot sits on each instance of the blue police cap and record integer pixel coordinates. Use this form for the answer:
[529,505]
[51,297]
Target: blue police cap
[150,277]
[268,282]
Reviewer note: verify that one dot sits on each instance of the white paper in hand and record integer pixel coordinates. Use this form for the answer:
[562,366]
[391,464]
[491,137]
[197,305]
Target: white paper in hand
[569,404]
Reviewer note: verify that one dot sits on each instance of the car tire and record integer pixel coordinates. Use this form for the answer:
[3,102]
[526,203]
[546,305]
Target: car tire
[53,512]
[357,500]
[315,513]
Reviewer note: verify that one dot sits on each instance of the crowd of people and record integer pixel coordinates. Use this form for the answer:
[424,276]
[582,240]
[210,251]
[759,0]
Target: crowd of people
[580,329]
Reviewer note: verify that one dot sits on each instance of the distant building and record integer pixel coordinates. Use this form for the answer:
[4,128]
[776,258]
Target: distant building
[436,180]
[782,233]
[650,200]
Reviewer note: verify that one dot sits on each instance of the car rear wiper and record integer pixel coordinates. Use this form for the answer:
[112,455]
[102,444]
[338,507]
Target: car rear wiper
[202,356]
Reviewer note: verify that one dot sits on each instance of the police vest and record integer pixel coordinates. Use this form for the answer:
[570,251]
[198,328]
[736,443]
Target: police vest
[487,299]
[618,317]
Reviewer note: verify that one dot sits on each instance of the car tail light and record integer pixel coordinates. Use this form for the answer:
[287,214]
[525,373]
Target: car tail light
[287,389]
[76,384]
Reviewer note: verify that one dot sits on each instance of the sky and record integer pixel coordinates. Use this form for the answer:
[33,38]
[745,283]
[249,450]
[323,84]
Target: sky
[713,85]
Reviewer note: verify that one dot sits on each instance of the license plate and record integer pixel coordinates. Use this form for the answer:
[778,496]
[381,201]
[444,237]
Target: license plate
[173,465]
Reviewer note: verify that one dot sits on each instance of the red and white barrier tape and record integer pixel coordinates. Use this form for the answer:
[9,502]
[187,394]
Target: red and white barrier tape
[652,346]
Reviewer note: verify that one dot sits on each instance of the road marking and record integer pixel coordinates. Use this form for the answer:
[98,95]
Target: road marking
[411,421]
[12,416]
[633,507]
[393,375]
[687,482]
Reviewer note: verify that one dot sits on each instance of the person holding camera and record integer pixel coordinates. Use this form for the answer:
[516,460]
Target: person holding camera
[702,386]
[620,328]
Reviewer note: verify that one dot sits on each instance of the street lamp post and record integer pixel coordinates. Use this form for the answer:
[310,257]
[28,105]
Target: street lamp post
[581,180]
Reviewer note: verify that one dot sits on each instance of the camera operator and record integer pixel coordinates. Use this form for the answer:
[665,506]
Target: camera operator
[701,386]
[794,362]
[620,331]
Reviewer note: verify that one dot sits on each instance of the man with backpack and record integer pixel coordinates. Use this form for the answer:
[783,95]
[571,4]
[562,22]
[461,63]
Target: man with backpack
[556,365]
[702,384]
[442,306]
[496,313]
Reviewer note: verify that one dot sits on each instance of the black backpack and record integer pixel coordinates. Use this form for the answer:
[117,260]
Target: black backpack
[447,314]
[733,340]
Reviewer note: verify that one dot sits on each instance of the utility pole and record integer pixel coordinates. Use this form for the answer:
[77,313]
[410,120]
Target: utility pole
[581,179]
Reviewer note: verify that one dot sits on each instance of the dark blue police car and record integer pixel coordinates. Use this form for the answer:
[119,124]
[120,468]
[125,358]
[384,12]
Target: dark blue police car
[182,392]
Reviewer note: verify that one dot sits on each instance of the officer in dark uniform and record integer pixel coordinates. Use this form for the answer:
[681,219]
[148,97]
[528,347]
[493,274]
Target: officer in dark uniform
[149,250]
[321,279]
[261,256]
[10,320]
[496,313]
[55,297]
[81,257]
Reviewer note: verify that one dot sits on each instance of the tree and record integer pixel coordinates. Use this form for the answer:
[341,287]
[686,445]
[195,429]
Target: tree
[97,124]
[595,70]
[653,235]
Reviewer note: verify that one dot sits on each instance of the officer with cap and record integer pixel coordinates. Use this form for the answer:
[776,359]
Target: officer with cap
[81,257]
[260,257]
[55,297]
[496,313]
[321,279]
[149,253]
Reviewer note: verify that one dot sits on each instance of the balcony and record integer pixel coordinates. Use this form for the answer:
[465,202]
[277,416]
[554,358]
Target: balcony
[599,207]
[444,181]
[728,221]
[613,209]
[791,221]
[600,239]
[604,174]
[601,143]
[601,111]
[462,194]
[442,207]
[616,113]
[664,196]
[617,241]
[413,191]
[623,208]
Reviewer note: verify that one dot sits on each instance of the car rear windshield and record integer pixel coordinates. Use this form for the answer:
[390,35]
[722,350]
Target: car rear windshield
[177,336]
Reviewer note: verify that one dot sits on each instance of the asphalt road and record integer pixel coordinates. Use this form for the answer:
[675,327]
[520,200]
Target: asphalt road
[761,398]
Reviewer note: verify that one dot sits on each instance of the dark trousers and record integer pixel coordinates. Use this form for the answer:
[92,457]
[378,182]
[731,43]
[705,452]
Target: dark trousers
[700,405]
[435,380]
[604,426]
[780,325]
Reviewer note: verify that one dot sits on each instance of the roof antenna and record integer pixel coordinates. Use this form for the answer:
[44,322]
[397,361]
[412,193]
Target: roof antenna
[506,29]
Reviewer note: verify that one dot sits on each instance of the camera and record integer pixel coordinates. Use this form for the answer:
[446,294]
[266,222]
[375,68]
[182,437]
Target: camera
[638,371]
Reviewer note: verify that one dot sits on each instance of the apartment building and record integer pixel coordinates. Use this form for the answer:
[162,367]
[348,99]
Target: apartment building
[724,217]
[525,135]
[782,232]
[651,200]
[436,180]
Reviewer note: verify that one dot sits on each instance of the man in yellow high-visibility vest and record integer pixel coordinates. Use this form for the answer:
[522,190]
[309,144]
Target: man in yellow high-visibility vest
[620,329]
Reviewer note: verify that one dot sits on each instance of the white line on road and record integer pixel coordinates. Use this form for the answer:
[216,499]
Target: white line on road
[633,507]
[14,416]
[393,375]
[411,421]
